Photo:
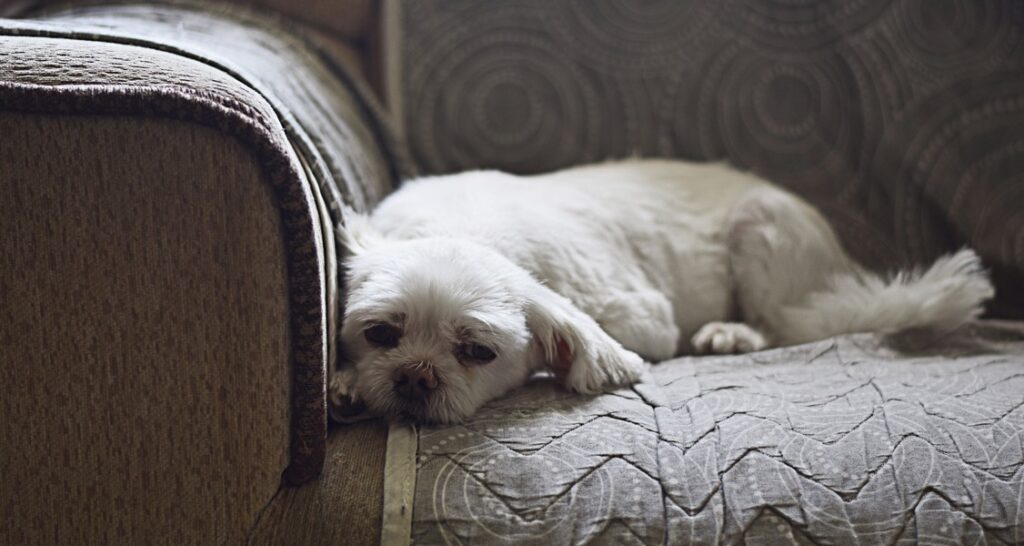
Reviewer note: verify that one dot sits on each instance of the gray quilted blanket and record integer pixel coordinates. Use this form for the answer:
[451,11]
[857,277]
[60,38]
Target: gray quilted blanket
[844,441]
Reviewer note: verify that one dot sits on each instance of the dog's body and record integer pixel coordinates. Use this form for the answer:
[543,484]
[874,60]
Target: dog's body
[584,269]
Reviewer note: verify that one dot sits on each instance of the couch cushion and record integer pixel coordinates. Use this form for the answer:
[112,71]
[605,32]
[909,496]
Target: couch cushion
[904,121]
[845,441]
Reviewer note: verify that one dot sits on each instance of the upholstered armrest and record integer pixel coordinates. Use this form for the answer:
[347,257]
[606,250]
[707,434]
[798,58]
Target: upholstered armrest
[169,182]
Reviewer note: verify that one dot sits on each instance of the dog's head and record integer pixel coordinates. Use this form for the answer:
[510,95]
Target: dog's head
[435,327]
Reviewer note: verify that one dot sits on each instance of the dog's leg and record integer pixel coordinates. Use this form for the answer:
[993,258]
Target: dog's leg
[642,321]
[576,347]
[780,250]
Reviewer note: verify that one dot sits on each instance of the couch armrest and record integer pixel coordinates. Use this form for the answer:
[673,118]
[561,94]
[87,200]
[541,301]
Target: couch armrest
[144,340]
[167,272]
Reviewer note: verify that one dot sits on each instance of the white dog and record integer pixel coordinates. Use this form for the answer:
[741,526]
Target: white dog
[461,286]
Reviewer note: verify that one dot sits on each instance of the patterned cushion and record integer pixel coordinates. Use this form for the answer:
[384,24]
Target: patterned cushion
[839,442]
[903,120]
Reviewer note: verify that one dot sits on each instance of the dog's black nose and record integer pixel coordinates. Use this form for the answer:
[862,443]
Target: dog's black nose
[414,382]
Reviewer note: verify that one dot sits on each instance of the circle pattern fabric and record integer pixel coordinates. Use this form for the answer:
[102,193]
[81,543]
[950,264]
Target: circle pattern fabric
[900,119]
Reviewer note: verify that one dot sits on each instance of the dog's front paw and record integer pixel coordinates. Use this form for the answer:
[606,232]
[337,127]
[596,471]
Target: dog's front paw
[575,347]
[602,365]
[343,404]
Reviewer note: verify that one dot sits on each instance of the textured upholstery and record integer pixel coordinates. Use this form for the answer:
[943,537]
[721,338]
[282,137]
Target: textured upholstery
[244,74]
[323,105]
[342,506]
[143,333]
[347,19]
[351,20]
[177,172]
[902,119]
[845,441]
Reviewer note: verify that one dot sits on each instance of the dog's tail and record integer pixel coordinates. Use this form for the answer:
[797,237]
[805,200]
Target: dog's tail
[939,299]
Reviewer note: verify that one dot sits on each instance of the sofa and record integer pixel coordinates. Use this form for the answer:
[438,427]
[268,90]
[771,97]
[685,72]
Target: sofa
[173,174]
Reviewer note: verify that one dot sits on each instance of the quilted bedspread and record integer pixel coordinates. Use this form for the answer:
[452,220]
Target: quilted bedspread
[843,441]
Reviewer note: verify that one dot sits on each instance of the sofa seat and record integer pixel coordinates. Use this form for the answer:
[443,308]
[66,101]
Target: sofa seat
[843,441]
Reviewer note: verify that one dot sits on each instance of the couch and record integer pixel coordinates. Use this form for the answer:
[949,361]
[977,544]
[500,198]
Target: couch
[173,174]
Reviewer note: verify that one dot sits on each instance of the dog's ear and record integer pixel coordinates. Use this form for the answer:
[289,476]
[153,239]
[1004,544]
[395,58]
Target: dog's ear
[356,234]
[575,347]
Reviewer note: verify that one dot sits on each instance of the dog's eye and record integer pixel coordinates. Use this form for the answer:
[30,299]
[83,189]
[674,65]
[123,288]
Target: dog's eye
[383,335]
[476,353]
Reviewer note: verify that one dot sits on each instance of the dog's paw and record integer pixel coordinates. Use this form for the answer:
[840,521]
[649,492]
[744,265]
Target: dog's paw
[727,338]
[575,347]
[603,365]
[343,404]
[341,385]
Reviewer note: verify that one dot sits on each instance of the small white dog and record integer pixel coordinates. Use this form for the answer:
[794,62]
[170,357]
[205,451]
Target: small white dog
[461,286]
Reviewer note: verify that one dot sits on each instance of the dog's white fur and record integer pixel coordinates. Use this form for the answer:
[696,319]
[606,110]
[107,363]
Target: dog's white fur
[601,267]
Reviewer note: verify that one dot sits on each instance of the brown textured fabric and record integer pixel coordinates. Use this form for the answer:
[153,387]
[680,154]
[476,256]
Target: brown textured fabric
[344,505]
[144,333]
[345,19]
[294,101]
[310,137]
[328,113]
[145,82]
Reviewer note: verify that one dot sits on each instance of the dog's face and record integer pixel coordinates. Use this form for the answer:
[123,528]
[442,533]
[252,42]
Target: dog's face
[435,327]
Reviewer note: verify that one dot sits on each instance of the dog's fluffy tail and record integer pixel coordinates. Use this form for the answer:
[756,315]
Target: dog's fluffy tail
[939,299]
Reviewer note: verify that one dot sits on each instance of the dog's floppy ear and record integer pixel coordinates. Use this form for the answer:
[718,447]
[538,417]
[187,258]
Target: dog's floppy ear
[355,233]
[575,347]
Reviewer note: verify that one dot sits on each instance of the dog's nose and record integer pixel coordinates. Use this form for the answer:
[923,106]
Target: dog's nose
[414,382]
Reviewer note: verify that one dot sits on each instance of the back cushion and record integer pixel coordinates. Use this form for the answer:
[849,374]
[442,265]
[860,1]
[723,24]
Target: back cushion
[902,120]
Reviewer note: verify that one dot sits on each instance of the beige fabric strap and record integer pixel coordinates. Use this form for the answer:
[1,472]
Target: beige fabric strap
[399,485]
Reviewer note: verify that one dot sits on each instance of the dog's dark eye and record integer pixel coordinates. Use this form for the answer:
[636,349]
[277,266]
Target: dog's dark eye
[383,335]
[476,353]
